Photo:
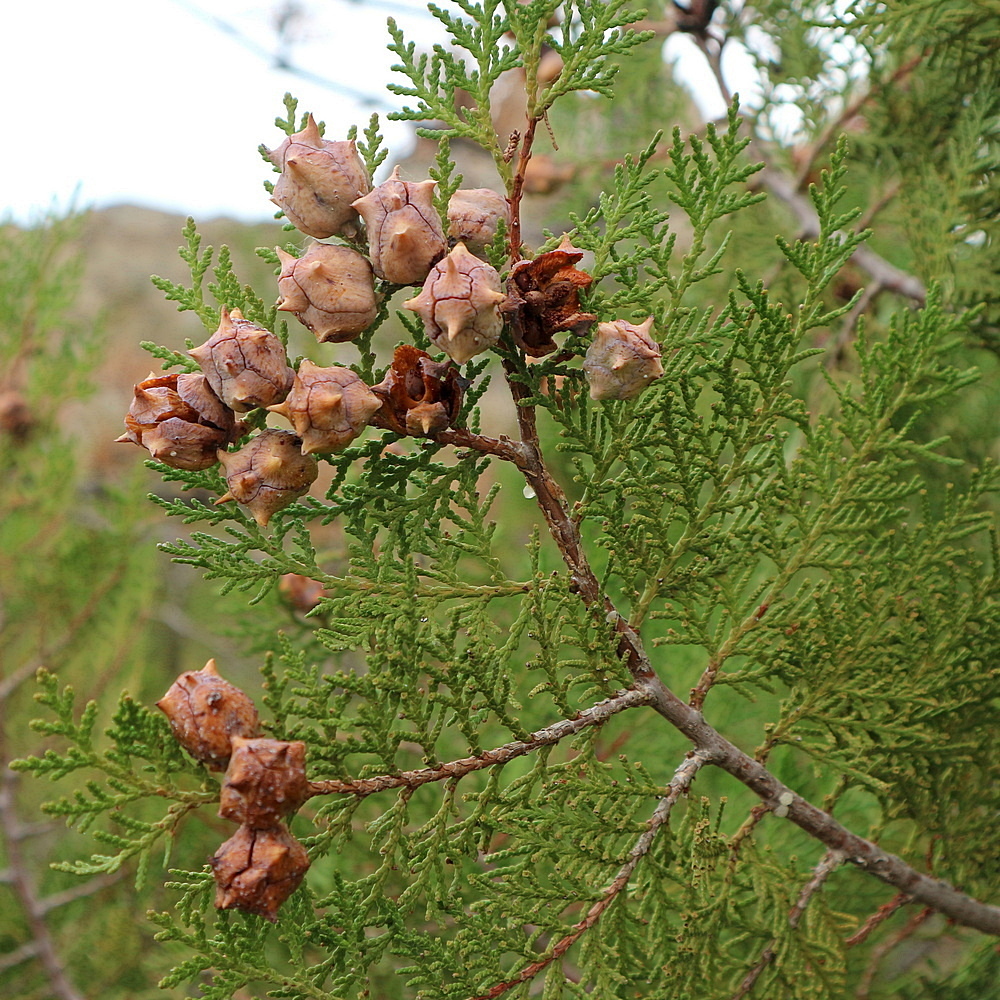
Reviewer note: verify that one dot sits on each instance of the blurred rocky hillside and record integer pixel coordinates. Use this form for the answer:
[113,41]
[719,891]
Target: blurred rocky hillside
[122,247]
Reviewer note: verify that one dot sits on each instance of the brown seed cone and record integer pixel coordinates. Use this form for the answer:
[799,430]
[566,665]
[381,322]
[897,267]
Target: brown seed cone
[206,712]
[405,238]
[419,396]
[267,474]
[180,421]
[622,360]
[16,418]
[244,363]
[319,181]
[328,407]
[460,305]
[301,592]
[257,870]
[543,298]
[330,289]
[473,216]
[265,781]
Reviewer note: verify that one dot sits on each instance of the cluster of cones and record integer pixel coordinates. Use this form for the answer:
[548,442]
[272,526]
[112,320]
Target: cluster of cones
[262,864]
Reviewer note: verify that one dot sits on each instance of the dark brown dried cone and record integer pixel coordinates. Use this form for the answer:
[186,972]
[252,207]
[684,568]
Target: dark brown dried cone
[319,180]
[543,299]
[257,870]
[265,781]
[267,474]
[328,407]
[244,363]
[180,421]
[419,395]
[331,289]
[206,712]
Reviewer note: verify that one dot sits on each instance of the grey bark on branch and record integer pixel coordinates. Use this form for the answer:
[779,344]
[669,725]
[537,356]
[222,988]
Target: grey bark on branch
[706,740]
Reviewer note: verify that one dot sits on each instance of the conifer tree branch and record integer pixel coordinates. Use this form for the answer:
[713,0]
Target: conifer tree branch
[689,720]
[882,914]
[862,853]
[709,742]
[787,190]
[596,715]
[679,785]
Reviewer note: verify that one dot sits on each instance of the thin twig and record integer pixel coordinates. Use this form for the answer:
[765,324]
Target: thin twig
[679,785]
[43,946]
[835,126]
[24,953]
[879,953]
[827,865]
[882,914]
[517,188]
[88,888]
[594,716]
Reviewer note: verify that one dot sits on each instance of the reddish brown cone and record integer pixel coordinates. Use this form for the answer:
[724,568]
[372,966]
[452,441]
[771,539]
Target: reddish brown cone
[206,712]
[180,421]
[419,396]
[543,299]
[265,781]
[257,870]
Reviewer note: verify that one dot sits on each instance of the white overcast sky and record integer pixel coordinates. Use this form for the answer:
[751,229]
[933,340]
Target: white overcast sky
[158,102]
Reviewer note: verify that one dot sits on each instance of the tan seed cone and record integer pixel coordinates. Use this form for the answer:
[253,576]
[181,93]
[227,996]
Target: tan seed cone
[331,289]
[460,305]
[622,360]
[405,237]
[244,363]
[267,474]
[328,407]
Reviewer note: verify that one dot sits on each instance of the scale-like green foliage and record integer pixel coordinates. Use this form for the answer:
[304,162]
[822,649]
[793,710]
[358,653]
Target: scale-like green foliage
[498,808]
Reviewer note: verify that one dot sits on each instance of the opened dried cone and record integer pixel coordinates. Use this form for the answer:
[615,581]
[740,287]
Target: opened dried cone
[543,299]
[180,421]
[419,396]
